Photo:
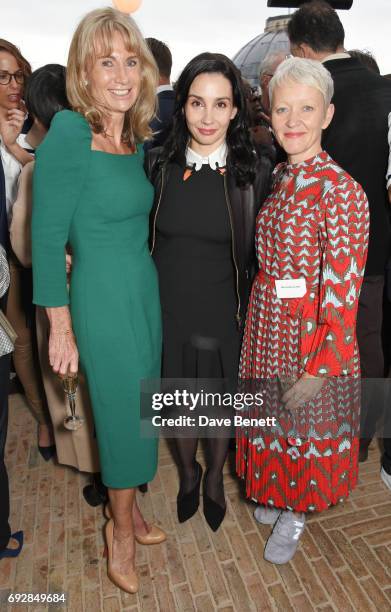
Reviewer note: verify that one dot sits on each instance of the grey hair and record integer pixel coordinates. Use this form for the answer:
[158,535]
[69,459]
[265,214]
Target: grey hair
[271,62]
[306,72]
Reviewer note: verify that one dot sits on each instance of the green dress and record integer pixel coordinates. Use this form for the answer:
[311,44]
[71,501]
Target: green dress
[99,203]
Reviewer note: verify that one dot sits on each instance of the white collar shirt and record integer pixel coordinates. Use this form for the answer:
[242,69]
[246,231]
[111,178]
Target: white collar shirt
[217,159]
[12,169]
[161,88]
[335,56]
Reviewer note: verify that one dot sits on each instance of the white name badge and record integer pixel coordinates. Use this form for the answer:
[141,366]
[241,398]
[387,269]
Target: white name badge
[291,288]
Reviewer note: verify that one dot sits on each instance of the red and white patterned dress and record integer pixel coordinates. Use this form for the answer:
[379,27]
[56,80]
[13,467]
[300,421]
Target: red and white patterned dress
[314,225]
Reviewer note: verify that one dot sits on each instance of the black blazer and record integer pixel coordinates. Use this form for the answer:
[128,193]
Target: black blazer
[161,124]
[357,140]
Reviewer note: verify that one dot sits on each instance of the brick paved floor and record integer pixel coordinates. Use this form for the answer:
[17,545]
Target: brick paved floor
[343,563]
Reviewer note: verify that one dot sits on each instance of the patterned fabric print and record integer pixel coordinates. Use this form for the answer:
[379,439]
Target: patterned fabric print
[6,345]
[314,225]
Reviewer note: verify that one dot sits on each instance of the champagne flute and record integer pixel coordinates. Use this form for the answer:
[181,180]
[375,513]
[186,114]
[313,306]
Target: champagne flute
[72,421]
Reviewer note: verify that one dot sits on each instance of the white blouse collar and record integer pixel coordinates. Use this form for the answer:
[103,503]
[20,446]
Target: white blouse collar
[219,156]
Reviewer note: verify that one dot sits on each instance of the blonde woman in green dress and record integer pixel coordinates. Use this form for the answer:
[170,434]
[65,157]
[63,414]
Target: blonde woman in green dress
[90,191]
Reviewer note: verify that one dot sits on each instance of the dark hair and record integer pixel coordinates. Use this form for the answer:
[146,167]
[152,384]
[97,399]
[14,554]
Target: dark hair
[23,64]
[162,56]
[316,24]
[366,58]
[241,156]
[45,93]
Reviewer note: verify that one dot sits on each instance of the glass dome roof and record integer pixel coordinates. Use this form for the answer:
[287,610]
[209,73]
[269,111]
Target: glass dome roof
[250,57]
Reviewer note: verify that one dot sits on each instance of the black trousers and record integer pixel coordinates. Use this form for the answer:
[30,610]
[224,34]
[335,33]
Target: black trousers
[386,459]
[375,399]
[5,531]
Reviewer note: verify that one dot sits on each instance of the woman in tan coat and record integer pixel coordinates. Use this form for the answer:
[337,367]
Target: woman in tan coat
[45,95]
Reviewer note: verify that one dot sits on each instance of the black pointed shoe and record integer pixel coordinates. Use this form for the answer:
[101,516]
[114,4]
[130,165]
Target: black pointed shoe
[47,452]
[213,512]
[95,493]
[187,504]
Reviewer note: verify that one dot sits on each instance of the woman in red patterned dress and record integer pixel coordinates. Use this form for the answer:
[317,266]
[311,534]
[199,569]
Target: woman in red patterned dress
[311,242]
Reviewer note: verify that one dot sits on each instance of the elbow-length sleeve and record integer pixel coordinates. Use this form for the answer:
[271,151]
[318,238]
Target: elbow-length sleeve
[344,239]
[59,174]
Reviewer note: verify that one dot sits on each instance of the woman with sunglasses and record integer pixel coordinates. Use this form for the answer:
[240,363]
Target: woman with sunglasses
[14,68]
[15,153]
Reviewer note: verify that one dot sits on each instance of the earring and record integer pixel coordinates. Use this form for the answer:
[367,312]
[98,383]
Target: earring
[85,83]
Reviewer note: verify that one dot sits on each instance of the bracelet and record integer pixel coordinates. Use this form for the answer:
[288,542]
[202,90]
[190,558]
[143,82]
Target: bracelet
[64,332]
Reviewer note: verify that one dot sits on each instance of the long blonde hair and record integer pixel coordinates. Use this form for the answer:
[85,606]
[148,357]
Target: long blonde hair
[96,30]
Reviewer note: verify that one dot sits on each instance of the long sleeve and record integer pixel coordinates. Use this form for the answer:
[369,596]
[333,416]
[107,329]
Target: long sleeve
[344,238]
[20,228]
[60,170]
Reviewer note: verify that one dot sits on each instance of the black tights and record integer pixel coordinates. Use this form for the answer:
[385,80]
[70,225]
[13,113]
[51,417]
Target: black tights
[203,359]
[216,454]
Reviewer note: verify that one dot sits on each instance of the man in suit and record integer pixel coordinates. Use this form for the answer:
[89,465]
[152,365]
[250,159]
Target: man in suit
[357,140]
[165,93]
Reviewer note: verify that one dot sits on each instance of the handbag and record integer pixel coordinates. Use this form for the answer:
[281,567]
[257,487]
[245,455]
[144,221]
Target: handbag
[7,327]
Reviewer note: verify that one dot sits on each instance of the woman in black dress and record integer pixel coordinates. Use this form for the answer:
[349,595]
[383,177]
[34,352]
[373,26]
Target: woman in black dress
[209,186]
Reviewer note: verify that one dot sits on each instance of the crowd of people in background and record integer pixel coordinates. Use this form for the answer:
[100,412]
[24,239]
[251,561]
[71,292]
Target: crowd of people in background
[207,230]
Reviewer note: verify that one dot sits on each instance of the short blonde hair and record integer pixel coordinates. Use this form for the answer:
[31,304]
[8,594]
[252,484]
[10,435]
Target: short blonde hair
[307,72]
[96,31]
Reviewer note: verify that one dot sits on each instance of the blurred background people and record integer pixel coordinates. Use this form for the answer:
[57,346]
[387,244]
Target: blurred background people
[14,129]
[366,58]
[266,73]
[161,124]
[209,185]
[10,545]
[90,190]
[357,140]
[312,230]
[261,131]
[45,95]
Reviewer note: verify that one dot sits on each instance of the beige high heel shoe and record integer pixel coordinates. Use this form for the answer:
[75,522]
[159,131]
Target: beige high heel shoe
[128,582]
[155,535]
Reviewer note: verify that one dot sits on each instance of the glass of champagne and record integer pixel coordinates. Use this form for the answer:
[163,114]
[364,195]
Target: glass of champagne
[72,421]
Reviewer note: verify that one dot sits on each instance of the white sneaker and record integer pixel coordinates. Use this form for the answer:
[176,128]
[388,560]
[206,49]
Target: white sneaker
[284,539]
[266,515]
[386,478]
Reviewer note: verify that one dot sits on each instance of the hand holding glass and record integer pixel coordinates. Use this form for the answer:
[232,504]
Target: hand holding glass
[72,421]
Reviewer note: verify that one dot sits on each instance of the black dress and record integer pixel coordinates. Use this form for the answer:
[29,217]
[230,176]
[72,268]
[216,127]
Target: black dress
[193,255]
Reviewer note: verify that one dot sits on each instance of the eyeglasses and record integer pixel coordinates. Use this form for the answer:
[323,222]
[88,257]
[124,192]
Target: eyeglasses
[5,77]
